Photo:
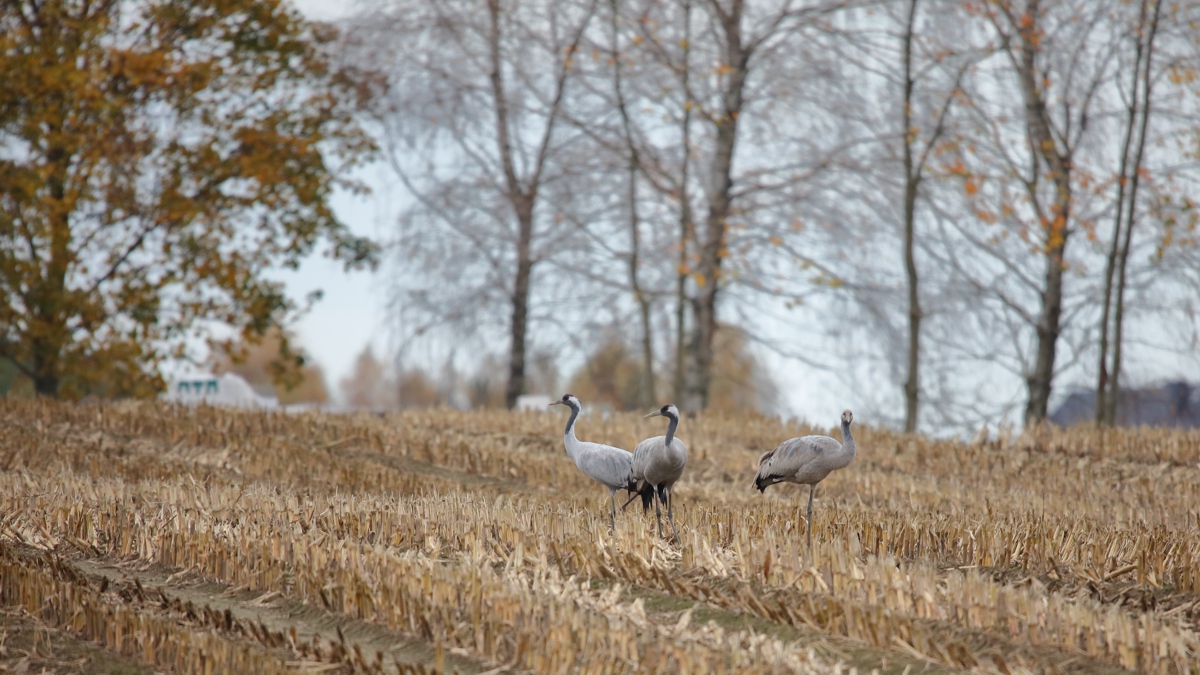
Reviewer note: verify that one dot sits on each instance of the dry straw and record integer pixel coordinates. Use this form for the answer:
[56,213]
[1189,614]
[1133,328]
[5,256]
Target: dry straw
[474,533]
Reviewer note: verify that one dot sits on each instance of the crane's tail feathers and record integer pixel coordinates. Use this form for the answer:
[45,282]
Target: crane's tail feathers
[646,492]
[761,484]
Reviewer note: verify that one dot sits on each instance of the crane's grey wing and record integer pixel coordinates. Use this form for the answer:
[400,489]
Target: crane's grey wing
[796,459]
[681,447]
[607,465]
[643,454]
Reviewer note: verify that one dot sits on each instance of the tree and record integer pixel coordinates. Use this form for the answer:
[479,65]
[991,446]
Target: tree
[369,384]
[1129,177]
[715,80]
[610,376]
[158,158]
[916,159]
[473,133]
[1057,107]
[293,378]
[740,383]
[640,295]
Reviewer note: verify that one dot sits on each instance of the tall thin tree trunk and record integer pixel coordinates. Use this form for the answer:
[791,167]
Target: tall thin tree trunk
[521,199]
[520,308]
[712,249]
[685,210]
[648,397]
[1111,262]
[1114,391]
[522,193]
[911,184]
[49,332]
[1045,146]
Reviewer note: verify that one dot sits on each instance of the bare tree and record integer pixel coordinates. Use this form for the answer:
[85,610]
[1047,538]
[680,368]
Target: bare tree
[1052,143]
[473,132]
[640,296]
[1129,175]
[917,154]
[742,41]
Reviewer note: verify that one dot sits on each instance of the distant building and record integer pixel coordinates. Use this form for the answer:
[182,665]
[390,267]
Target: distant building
[226,389]
[1174,404]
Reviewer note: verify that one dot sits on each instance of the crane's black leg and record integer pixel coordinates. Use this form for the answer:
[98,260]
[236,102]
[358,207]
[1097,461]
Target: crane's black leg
[670,502]
[632,497]
[658,514]
[612,517]
[811,490]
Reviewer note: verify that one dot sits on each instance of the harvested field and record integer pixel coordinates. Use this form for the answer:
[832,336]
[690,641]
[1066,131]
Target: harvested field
[140,538]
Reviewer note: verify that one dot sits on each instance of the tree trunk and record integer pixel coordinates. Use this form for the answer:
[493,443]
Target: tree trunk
[1044,145]
[648,396]
[911,184]
[1102,386]
[520,307]
[685,210]
[49,333]
[521,193]
[1110,398]
[712,249]
[1040,381]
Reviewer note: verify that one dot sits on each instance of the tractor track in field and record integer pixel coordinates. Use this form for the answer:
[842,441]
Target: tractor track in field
[269,619]
[29,645]
[276,613]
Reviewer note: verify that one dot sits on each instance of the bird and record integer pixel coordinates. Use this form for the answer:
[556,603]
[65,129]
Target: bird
[609,466]
[657,464]
[806,460]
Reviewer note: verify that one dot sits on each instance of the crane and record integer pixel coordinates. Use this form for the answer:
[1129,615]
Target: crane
[604,464]
[657,464]
[806,460]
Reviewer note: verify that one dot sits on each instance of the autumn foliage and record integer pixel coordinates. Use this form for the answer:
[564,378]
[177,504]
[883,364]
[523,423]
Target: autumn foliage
[157,158]
[274,365]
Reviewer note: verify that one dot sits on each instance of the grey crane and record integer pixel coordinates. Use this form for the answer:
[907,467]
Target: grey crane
[604,464]
[657,464]
[806,460]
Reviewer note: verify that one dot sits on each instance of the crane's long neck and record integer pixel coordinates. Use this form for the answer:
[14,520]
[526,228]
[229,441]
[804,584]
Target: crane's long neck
[848,447]
[671,429]
[569,440]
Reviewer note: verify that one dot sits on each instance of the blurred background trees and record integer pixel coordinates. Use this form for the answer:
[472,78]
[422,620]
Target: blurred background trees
[927,204]
[290,379]
[942,213]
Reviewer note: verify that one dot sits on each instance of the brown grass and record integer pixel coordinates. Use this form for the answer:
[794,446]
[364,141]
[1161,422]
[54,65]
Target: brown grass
[470,542]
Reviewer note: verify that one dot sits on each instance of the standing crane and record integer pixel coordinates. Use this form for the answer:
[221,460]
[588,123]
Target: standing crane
[657,464]
[806,460]
[604,464]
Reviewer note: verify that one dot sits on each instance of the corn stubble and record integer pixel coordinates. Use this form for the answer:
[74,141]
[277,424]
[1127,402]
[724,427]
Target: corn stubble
[474,534]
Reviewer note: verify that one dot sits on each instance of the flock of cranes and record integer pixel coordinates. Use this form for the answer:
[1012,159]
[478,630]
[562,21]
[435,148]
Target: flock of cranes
[656,464]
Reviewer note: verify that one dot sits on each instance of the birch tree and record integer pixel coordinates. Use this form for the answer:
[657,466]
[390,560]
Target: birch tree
[474,132]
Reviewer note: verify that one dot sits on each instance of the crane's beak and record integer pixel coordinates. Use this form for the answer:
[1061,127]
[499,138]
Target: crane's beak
[656,413]
[557,403]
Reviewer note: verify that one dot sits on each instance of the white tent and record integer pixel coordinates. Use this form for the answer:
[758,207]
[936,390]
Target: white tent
[226,389]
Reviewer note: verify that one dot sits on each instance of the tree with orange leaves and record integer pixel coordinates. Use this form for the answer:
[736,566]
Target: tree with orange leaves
[156,159]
